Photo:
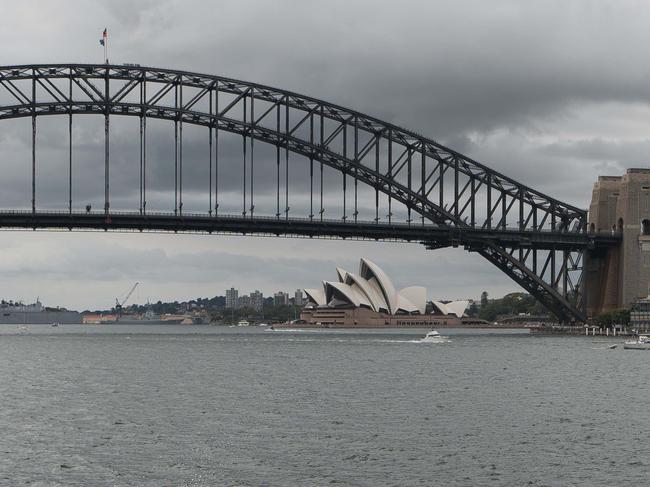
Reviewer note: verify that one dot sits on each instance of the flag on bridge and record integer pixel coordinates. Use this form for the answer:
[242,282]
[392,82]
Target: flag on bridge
[102,41]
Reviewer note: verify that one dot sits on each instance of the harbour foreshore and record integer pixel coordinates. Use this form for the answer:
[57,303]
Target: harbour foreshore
[581,331]
[311,326]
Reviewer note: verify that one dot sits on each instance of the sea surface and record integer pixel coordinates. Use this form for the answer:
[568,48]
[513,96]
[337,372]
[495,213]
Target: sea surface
[149,405]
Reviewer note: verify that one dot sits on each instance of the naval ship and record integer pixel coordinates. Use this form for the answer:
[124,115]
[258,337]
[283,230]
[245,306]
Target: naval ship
[35,314]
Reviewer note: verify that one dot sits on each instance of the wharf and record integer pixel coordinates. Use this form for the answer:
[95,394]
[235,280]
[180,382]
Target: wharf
[559,330]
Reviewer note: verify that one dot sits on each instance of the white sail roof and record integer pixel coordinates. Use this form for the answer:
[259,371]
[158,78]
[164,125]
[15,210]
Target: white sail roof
[370,270]
[453,308]
[417,295]
[341,273]
[404,305]
[439,308]
[375,297]
[341,291]
[457,308]
[373,289]
[316,296]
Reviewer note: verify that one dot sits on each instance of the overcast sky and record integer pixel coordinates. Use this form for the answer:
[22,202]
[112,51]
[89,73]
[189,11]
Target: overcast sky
[551,93]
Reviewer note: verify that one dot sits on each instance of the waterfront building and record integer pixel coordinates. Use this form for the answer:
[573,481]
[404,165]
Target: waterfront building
[640,315]
[232,298]
[369,299]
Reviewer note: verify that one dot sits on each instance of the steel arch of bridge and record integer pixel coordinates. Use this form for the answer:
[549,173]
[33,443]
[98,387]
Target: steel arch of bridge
[457,200]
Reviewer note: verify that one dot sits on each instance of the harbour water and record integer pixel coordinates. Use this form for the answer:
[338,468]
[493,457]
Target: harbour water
[204,406]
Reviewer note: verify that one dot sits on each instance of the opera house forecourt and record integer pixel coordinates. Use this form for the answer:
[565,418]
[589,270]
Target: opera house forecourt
[369,300]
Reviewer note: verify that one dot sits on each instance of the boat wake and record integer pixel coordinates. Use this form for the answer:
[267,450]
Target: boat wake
[298,330]
[420,341]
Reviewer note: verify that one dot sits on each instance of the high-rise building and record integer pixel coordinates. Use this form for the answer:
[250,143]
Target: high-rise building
[257,300]
[232,298]
[244,301]
[281,298]
[298,299]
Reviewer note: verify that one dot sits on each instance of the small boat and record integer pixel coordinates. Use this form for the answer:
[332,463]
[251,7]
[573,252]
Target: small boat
[433,337]
[642,343]
[243,323]
[55,324]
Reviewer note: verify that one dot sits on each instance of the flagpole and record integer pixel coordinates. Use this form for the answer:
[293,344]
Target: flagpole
[104,43]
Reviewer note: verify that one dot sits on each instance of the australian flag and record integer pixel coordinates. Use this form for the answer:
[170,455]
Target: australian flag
[102,41]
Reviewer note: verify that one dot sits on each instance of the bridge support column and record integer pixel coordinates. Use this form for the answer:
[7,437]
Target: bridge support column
[617,277]
[602,285]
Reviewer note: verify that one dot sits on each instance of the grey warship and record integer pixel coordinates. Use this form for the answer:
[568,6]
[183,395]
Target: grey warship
[35,314]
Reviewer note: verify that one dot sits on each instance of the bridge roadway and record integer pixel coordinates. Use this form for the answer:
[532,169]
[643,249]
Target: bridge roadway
[430,235]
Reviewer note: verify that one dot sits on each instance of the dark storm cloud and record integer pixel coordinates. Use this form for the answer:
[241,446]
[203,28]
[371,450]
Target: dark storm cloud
[486,67]
[445,65]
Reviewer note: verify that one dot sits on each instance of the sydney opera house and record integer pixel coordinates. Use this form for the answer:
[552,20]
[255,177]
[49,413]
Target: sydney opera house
[369,299]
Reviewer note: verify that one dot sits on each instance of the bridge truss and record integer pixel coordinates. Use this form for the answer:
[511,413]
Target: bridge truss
[413,188]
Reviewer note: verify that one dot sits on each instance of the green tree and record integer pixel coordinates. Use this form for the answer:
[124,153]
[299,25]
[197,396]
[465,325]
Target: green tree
[510,304]
[614,317]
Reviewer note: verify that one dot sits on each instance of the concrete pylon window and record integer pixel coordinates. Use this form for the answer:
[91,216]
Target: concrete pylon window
[592,228]
[645,227]
[620,225]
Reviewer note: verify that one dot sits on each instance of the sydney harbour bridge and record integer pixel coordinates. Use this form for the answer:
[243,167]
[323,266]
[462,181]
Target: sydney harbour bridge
[273,162]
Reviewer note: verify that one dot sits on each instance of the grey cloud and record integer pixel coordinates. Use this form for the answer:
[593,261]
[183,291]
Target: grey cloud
[110,262]
[622,154]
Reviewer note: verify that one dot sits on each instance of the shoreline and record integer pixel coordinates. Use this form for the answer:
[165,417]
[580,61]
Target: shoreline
[303,326]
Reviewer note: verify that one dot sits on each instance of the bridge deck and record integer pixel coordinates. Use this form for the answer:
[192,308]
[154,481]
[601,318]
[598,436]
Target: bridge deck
[428,234]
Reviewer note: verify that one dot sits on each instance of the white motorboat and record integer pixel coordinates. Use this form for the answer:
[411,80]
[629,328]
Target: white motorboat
[433,337]
[641,343]
[243,323]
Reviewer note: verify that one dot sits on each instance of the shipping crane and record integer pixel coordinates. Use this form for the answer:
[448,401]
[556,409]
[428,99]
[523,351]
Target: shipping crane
[119,305]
